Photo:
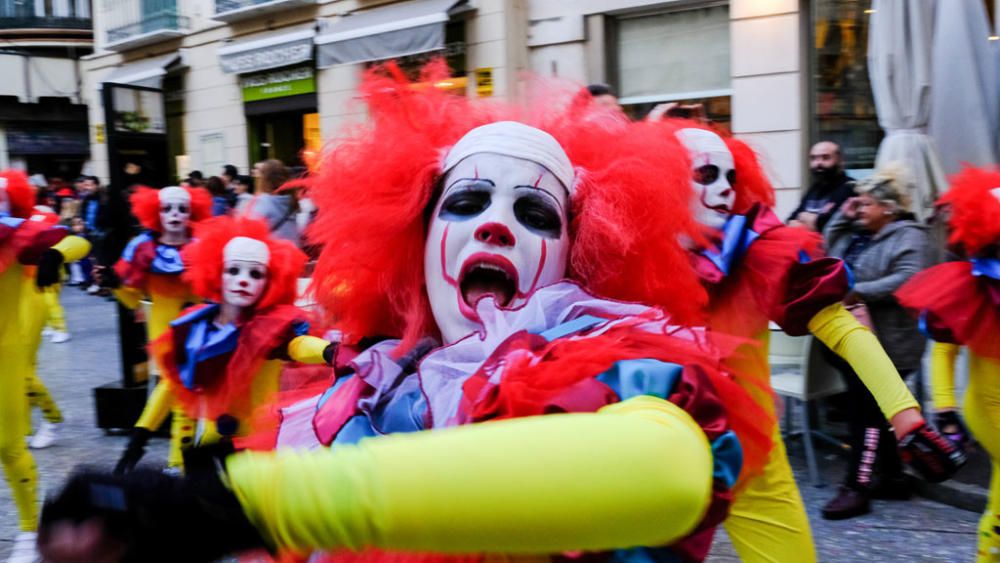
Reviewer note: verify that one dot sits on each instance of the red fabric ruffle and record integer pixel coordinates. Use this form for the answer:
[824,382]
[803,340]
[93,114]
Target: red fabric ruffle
[136,274]
[957,304]
[27,242]
[229,392]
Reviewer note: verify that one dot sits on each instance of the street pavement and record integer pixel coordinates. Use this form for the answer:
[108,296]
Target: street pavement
[915,530]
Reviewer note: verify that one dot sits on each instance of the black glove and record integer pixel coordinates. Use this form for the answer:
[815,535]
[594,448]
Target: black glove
[330,354]
[134,451]
[107,277]
[49,268]
[152,517]
[949,424]
[930,454]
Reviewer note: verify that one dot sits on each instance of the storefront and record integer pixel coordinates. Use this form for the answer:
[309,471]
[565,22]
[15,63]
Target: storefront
[278,88]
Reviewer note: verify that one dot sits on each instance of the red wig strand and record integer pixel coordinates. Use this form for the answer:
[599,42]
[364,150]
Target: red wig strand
[378,179]
[203,260]
[20,193]
[752,186]
[146,206]
[974,218]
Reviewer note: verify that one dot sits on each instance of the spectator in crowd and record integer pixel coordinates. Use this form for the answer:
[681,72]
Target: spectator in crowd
[277,209]
[195,179]
[93,209]
[228,175]
[830,188]
[220,196]
[604,95]
[243,189]
[884,245]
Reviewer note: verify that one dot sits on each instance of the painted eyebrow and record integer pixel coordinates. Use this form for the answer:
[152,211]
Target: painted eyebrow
[540,190]
[472,181]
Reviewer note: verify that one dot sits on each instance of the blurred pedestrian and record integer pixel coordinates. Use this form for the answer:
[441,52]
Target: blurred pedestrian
[220,196]
[884,245]
[604,95]
[830,188]
[243,189]
[278,209]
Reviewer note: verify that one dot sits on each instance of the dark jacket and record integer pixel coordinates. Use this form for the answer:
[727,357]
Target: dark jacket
[894,255]
[825,198]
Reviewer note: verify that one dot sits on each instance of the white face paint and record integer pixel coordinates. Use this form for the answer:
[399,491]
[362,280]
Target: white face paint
[499,229]
[712,178]
[175,210]
[243,282]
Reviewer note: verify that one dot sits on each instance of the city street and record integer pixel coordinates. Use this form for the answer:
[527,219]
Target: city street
[916,530]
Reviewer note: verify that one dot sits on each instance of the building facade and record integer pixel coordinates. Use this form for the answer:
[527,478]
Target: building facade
[43,116]
[237,81]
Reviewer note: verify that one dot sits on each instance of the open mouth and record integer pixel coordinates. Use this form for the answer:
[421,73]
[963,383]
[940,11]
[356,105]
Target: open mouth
[724,209]
[488,275]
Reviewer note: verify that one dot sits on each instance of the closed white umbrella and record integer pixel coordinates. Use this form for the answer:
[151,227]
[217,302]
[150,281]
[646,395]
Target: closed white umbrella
[899,64]
[965,106]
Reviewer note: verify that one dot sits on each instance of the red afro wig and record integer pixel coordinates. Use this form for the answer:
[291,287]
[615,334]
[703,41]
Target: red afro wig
[974,217]
[146,206]
[203,260]
[20,193]
[752,186]
[377,181]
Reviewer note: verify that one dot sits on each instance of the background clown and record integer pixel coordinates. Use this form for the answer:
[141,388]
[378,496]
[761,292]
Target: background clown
[151,267]
[635,448]
[758,270]
[959,305]
[23,243]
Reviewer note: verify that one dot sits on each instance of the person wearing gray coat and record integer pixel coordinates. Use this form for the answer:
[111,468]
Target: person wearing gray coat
[876,235]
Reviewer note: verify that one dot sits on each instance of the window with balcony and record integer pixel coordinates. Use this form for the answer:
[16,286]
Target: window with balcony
[45,14]
[679,55]
[133,23]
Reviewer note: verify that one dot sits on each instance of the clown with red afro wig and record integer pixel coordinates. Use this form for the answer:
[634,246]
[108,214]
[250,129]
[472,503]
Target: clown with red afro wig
[150,268]
[488,261]
[758,270]
[958,303]
[24,244]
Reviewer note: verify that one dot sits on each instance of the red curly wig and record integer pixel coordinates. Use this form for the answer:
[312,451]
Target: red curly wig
[146,206]
[974,219]
[20,193]
[203,260]
[378,180]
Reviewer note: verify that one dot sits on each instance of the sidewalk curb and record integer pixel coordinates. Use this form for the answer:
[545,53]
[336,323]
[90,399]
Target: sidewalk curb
[954,493]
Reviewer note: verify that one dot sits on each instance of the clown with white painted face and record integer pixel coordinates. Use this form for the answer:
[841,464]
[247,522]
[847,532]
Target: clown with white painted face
[500,227]
[757,270]
[150,269]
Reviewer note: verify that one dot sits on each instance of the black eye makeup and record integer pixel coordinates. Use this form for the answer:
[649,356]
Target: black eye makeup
[467,201]
[233,271]
[706,174]
[731,177]
[538,214]
[181,208]
[257,274]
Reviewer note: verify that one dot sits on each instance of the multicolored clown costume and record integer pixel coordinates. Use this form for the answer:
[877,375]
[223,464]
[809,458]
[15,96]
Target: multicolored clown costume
[151,267]
[959,305]
[23,243]
[510,237]
[757,270]
[223,359]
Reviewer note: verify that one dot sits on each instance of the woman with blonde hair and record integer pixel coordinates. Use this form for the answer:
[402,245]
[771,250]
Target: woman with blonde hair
[275,206]
[884,244]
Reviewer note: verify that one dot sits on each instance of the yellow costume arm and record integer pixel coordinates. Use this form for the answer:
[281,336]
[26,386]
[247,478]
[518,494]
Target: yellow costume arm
[157,407]
[307,349]
[128,296]
[836,327]
[638,473]
[943,375]
[72,248]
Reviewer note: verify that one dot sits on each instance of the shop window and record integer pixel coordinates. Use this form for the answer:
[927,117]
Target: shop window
[680,55]
[843,107]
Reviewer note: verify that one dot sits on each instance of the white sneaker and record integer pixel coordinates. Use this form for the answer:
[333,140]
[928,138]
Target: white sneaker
[24,549]
[59,337]
[93,289]
[45,437]
[47,332]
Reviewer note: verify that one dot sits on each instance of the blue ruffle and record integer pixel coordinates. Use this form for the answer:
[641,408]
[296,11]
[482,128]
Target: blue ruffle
[736,239]
[204,341]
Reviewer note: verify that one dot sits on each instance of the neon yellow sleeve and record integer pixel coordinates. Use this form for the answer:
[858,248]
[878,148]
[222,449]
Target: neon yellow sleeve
[307,349]
[637,473]
[157,407]
[836,327]
[128,296]
[72,248]
[943,375]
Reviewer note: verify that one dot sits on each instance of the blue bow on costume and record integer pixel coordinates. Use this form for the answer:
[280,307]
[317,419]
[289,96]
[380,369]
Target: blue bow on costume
[205,340]
[736,239]
[989,267]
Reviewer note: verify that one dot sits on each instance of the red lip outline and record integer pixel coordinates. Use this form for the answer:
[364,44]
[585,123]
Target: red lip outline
[468,311]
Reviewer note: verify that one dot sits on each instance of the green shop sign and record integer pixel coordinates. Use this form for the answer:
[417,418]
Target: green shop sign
[278,83]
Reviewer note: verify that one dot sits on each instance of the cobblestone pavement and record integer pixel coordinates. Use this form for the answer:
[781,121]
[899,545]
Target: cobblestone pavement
[916,530]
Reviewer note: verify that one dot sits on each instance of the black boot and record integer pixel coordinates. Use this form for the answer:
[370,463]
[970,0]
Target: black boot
[848,503]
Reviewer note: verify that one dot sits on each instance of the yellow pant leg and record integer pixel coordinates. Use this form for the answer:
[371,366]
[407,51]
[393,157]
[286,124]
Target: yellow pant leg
[182,429]
[34,312]
[943,375]
[982,414]
[56,316]
[768,522]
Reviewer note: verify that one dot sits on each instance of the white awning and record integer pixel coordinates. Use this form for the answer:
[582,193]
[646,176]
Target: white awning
[277,49]
[396,30]
[147,72]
